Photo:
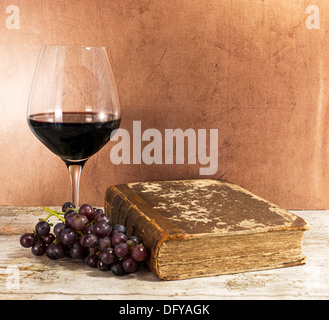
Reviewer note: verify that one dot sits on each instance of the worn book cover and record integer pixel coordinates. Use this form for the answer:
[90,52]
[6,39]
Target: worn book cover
[206,227]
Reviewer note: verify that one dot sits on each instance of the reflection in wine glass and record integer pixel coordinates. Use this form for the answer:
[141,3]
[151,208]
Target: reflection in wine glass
[73,106]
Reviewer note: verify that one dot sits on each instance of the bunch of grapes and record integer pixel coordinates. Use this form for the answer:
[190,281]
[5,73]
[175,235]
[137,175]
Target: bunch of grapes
[86,234]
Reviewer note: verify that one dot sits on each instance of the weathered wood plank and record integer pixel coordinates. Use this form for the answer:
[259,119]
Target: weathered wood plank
[41,278]
[18,220]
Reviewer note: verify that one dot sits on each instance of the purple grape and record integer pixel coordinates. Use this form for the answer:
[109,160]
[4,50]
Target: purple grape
[130,265]
[69,218]
[87,210]
[96,212]
[67,206]
[121,250]
[48,238]
[139,253]
[104,243]
[78,251]
[90,240]
[92,261]
[120,228]
[55,251]
[101,229]
[107,255]
[27,240]
[118,238]
[77,222]
[68,236]
[117,269]
[42,228]
[134,239]
[68,212]
[102,217]
[103,266]
[59,227]
[38,248]
[89,229]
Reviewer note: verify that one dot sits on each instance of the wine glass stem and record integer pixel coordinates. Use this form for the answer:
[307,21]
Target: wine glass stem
[75,173]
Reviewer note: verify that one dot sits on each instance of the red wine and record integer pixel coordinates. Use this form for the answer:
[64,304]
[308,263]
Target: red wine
[76,135]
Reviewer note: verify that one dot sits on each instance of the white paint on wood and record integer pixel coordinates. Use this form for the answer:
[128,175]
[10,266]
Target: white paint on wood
[41,278]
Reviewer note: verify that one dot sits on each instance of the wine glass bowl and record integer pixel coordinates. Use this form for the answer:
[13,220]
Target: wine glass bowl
[73,107]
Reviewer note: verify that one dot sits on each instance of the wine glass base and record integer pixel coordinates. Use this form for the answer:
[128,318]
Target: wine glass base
[75,162]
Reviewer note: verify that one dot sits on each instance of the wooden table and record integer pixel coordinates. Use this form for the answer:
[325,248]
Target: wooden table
[24,276]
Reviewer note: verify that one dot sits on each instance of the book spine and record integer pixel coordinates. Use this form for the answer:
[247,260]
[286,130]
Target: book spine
[121,210]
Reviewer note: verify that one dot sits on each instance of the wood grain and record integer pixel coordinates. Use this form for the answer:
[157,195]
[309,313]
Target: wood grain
[40,278]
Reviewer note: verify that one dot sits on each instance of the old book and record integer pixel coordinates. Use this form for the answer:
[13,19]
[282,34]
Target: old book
[205,227]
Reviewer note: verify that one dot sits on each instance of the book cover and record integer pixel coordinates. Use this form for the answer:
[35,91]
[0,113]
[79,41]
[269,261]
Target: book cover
[205,227]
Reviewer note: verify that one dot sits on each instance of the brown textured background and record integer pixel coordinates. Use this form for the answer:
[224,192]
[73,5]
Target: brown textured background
[250,68]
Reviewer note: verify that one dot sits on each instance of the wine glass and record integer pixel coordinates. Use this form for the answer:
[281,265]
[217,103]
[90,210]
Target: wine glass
[73,106]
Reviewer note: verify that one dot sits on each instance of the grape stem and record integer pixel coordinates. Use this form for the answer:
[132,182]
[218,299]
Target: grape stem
[53,213]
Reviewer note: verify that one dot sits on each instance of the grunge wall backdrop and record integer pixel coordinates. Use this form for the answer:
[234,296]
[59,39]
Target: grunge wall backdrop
[255,70]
